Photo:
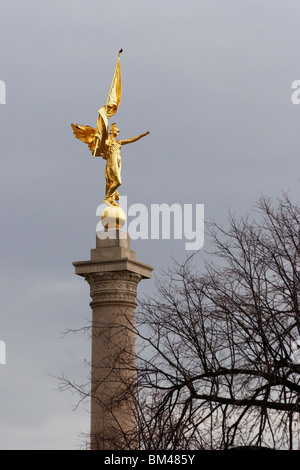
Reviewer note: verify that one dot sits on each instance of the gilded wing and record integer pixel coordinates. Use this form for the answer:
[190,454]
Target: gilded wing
[86,134]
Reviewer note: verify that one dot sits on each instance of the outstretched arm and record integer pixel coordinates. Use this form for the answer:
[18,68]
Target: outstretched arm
[134,139]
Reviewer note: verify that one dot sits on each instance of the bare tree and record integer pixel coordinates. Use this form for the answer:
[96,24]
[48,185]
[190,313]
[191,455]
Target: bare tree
[220,352]
[217,365]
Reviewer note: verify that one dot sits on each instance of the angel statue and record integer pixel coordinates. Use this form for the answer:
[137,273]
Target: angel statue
[103,142]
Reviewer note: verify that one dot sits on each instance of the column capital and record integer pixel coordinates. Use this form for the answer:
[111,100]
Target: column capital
[113,272]
[116,287]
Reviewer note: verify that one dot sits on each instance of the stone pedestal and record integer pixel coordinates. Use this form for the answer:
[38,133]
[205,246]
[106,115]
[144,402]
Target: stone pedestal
[113,275]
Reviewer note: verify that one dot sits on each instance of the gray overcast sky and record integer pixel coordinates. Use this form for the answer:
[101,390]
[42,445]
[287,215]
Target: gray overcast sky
[212,82]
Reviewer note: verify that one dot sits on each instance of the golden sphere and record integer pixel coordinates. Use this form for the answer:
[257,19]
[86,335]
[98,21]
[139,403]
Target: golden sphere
[113,217]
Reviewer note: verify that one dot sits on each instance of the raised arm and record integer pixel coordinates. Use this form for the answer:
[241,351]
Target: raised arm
[134,139]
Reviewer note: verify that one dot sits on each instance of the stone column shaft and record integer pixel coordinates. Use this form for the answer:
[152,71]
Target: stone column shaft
[113,275]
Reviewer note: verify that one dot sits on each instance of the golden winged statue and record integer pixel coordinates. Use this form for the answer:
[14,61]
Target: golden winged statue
[103,142]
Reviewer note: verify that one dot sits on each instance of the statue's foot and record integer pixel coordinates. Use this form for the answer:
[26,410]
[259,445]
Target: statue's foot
[110,201]
[107,201]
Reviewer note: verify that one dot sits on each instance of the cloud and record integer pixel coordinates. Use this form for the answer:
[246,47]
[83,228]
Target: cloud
[210,80]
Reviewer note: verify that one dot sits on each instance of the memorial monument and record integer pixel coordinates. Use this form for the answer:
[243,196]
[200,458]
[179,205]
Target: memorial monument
[113,274]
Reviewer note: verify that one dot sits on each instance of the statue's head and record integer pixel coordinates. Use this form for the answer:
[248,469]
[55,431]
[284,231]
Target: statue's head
[114,130]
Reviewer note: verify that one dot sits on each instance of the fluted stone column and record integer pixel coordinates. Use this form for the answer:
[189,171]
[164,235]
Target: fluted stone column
[113,275]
